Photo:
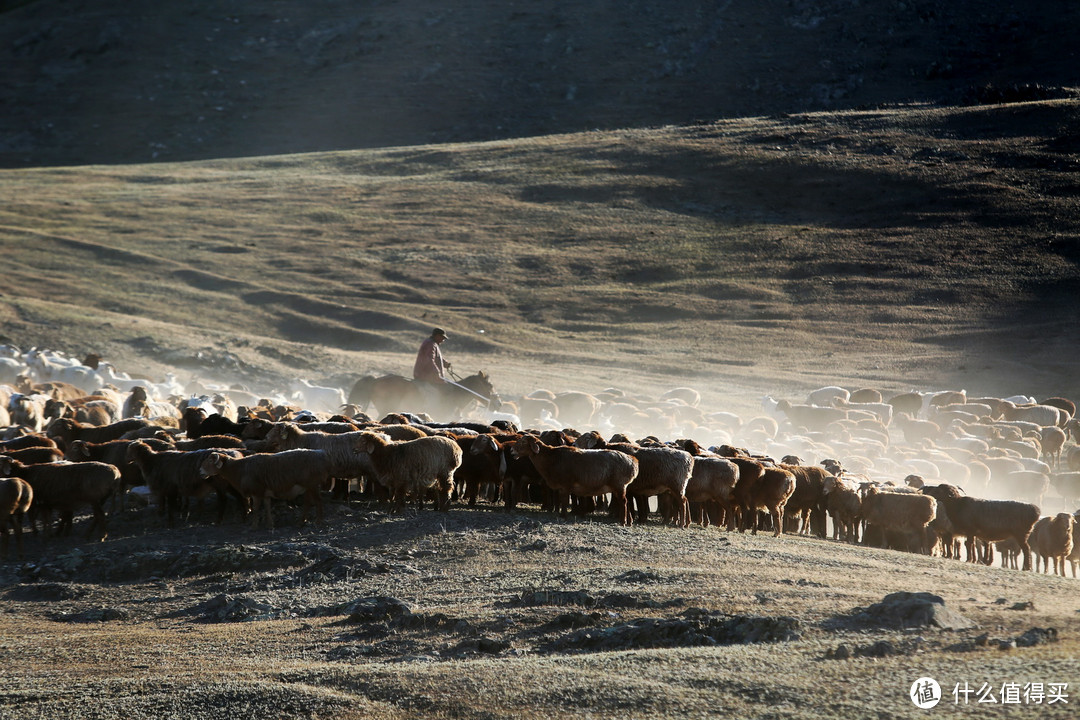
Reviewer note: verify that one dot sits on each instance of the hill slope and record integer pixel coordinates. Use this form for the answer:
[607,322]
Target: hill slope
[914,246]
[120,81]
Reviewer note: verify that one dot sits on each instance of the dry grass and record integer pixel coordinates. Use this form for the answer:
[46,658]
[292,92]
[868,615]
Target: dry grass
[887,248]
[918,246]
[469,567]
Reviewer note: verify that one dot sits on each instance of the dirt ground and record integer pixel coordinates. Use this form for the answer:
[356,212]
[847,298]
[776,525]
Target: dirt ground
[480,613]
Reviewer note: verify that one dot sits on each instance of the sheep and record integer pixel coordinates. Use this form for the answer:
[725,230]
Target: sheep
[770,494]
[865,395]
[479,465]
[28,410]
[139,404]
[262,478]
[26,441]
[1052,439]
[988,520]
[915,430]
[1038,414]
[340,448]
[1010,550]
[883,411]
[67,430]
[844,504]
[742,502]
[577,408]
[197,423]
[711,483]
[661,470]
[904,512]
[174,477]
[585,473]
[1052,539]
[412,467]
[15,498]
[1067,485]
[826,396]
[113,452]
[1027,485]
[518,474]
[317,397]
[687,395]
[811,417]
[1074,555]
[1062,404]
[35,455]
[807,503]
[67,487]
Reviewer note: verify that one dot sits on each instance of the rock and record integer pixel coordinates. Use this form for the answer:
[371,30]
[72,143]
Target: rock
[882,648]
[691,630]
[103,614]
[639,576]
[536,545]
[231,608]
[1037,636]
[912,610]
[376,609]
[1028,605]
[842,652]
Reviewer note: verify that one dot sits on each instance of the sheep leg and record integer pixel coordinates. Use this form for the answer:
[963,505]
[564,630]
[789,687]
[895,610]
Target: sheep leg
[98,522]
[778,520]
[1026,549]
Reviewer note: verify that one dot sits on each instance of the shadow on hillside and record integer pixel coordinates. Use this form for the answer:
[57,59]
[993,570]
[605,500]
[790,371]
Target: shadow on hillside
[772,189]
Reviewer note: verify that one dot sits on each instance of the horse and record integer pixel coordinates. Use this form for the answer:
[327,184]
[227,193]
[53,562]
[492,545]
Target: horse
[396,393]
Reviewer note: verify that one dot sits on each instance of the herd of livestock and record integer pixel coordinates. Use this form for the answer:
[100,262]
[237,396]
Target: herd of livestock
[918,471]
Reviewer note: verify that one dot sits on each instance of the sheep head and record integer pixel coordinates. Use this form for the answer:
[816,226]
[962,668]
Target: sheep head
[211,465]
[525,446]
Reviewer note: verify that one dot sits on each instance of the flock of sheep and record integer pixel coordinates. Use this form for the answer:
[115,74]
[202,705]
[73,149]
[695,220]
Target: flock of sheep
[919,471]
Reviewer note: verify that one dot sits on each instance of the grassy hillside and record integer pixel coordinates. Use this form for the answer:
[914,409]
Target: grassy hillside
[914,246]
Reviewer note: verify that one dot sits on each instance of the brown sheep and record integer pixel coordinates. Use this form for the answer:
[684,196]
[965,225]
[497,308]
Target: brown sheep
[577,408]
[807,503]
[770,494]
[751,471]
[340,447]
[413,467]
[479,467]
[1052,539]
[174,478]
[1074,556]
[1067,485]
[67,487]
[844,503]
[66,430]
[661,470]
[25,441]
[907,513]
[1052,439]
[260,479]
[15,498]
[585,473]
[711,483]
[988,521]
[35,455]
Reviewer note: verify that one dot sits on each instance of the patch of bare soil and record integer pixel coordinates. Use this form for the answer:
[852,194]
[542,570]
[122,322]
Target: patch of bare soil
[478,613]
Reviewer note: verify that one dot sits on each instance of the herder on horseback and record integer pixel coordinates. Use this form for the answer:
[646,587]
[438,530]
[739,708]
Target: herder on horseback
[429,370]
